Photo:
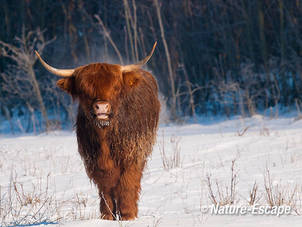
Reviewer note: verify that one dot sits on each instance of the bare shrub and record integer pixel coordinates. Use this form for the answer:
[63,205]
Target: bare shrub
[22,207]
[242,132]
[173,160]
[223,195]
[278,194]
[78,208]
[24,204]
[254,197]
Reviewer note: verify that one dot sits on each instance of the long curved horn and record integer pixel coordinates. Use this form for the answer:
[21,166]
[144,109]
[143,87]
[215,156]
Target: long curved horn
[58,72]
[128,68]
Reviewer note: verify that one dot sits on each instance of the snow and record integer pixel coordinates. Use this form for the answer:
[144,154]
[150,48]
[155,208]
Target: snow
[47,167]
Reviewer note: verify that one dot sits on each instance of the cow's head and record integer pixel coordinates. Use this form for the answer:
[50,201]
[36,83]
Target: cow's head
[98,86]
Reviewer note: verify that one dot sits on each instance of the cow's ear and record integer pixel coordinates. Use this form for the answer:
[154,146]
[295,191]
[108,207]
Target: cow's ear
[131,79]
[67,85]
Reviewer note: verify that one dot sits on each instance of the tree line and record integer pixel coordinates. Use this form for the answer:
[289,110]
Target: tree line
[213,57]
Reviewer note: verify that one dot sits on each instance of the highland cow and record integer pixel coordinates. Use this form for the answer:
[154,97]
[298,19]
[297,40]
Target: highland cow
[116,128]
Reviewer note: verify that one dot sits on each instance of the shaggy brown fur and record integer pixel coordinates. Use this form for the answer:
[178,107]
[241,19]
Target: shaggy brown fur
[115,155]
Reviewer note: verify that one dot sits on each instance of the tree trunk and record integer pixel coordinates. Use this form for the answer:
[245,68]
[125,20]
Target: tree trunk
[171,76]
[39,96]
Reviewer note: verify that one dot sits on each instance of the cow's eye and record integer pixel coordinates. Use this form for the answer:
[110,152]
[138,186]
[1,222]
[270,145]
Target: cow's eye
[116,88]
[89,98]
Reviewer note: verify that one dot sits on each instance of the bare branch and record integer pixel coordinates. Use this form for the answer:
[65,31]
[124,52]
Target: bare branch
[107,35]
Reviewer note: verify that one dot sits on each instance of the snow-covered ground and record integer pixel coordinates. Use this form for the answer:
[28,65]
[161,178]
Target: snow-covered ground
[42,178]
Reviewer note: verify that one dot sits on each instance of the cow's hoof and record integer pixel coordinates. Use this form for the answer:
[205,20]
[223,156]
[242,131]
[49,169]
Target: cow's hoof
[128,217]
[107,217]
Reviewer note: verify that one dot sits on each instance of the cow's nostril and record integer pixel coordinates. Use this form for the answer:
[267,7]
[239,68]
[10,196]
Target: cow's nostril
[101,107]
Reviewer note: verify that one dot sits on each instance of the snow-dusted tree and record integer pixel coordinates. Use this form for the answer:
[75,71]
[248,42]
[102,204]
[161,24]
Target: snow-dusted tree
[19,77]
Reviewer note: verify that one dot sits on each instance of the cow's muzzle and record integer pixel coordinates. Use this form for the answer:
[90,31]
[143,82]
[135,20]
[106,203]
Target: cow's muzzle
[102,110]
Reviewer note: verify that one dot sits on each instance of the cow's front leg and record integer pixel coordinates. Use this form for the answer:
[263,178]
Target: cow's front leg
[107,206]
[109,175]
[127,192]
[106,182]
